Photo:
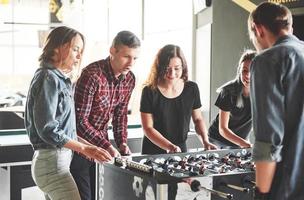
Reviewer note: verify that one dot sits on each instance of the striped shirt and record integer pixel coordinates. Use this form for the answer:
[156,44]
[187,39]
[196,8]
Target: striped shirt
[99,98]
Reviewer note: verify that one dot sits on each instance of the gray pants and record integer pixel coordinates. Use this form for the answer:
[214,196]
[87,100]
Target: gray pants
[51,173]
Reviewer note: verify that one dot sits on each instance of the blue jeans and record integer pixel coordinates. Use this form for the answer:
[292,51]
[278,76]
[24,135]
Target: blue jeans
[51,173]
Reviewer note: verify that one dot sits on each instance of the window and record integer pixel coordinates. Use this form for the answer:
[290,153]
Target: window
[25,23]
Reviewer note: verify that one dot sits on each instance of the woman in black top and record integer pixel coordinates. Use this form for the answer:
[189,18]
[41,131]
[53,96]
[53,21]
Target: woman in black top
[233,124]
[168,102]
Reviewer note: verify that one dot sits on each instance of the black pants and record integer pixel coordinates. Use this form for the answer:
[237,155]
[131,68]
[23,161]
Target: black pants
[172,191]
[83,172]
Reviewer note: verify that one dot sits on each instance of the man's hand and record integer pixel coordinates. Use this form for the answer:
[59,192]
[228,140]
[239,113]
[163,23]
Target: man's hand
[113,151]
[96,153]
[260,196]
[124,149]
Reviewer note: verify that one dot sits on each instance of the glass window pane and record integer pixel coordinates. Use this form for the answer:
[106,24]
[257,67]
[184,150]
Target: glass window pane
[167,16]
[203,64]
[125,15]
[5,29]
[6,62]
[26,60]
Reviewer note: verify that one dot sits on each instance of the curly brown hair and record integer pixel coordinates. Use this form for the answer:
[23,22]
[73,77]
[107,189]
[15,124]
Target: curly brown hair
[161,62]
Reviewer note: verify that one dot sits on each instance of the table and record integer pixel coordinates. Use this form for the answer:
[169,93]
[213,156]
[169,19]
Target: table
[6,102]
[17,109]
[20,110]
[15,157]
[16,154]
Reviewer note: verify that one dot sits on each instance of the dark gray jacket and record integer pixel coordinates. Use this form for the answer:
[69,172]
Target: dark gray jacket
[277,97]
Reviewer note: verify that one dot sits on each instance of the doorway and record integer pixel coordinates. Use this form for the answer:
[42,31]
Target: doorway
[298,24]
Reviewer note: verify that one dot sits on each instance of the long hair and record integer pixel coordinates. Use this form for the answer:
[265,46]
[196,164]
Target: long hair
[161,62]
[247,55]
[57,37]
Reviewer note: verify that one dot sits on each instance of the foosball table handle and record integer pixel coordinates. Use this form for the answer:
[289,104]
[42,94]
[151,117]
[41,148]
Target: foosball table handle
[196,186]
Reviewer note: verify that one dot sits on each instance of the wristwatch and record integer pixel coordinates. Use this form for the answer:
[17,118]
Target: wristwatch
[259,195]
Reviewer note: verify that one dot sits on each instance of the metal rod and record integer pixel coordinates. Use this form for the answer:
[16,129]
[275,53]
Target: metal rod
[195,186]
[235,187]
[218,193]
[34,23]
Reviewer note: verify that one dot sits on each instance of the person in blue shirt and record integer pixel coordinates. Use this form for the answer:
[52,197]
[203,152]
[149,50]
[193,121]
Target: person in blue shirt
[277,98]
[50,116]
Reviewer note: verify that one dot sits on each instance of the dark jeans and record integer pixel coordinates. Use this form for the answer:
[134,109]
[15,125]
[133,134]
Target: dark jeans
[83,172]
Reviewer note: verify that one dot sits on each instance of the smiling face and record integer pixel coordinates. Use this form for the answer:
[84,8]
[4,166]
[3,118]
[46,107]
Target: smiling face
[71,54]
[245,73]
[174,70]
[123,58]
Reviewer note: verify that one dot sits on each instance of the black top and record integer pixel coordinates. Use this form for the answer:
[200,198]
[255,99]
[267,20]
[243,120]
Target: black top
[171,116]
[231,100]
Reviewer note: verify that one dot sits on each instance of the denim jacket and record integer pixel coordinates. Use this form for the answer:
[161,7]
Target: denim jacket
[276,91]
[49,113]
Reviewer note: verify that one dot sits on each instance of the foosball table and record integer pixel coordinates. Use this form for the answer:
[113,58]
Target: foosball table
[203,175]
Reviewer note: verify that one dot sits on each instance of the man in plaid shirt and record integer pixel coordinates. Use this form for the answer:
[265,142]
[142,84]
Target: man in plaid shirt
[102,94]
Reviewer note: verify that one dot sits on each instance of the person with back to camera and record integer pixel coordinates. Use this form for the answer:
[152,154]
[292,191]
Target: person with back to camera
[102,93]
[233,123]
[50,116]
[277,98]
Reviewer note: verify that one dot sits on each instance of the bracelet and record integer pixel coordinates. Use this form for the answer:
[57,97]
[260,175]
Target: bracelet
[259,195]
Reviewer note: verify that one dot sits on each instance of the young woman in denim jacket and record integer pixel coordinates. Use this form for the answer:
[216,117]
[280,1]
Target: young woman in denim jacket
[50,116]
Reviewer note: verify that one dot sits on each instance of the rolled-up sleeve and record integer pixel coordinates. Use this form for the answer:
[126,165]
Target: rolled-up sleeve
[263,151]
[267,100]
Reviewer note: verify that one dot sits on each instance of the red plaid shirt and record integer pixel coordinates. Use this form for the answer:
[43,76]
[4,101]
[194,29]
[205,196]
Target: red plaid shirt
[99,97]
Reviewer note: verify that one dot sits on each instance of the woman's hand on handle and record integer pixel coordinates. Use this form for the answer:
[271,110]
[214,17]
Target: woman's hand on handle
[174,149]
[97,153]
[209,146]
